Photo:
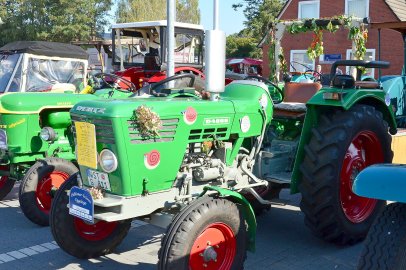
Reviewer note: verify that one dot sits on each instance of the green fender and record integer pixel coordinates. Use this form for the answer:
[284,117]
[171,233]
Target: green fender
[247,211]
[317,106]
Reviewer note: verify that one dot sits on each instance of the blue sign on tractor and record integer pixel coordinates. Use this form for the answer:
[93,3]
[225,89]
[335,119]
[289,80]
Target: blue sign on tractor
[81,204]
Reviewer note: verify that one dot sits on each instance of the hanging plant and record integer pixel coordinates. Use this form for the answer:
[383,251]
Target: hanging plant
[316,48]
[359,35]
[147,121]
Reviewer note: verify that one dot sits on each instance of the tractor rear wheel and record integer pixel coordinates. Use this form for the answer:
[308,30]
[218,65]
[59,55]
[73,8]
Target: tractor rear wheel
[210,233]
[79,238]
[385,245]
[343,144]
[6,183]
[38,186]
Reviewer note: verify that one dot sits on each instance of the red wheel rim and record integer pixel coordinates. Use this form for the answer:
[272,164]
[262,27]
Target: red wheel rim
[214,248]
[3,179]
[364,150]
[94,232]
[44,187]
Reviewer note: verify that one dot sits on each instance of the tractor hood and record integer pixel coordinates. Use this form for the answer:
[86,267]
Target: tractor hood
[24,103]
[165,107]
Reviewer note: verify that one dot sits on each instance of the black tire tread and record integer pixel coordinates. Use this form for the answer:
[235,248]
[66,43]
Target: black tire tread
[5,190]
[323,161]
[27,197]
[384,247]
[63,231]
[176,236]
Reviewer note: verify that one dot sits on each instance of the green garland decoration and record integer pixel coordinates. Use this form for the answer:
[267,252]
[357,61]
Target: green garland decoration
[359,35]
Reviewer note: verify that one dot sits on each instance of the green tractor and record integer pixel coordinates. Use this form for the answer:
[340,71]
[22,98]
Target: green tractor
[36,143]
[35,121]
[201,165]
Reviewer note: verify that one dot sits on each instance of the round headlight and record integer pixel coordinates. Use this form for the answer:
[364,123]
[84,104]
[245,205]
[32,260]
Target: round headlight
[48,134]
[108,161]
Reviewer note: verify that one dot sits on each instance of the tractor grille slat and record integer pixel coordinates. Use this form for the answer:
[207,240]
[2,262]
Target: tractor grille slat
[166,132]
[197,135]
[104,128]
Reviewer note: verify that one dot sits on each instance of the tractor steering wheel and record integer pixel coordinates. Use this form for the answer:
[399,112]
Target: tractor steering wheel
[307,69]
[131,86]
[266,81]
[172,78]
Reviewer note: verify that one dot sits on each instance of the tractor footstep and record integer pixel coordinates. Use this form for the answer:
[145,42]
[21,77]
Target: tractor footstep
[280,202]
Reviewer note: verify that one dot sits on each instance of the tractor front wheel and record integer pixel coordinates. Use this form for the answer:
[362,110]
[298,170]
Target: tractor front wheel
[38,186]
[343,144]
[385,245]
[6,184]
[210,234]
[79,238]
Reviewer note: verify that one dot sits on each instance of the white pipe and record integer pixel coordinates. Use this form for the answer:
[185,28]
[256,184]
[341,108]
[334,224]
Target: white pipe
[170,33]
[216,25]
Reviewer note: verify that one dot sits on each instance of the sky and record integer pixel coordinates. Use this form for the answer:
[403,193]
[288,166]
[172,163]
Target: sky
[231,21]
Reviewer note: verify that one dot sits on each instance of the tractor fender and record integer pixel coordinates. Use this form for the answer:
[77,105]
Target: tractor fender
[350,97]
[245,206]
[318,106]
[383,182]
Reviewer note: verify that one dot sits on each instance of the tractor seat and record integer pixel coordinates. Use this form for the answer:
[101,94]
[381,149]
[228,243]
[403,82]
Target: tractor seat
[296,96]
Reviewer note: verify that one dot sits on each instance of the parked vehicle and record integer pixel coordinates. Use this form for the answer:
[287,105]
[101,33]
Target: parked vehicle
[178,155]
[44,158]
[139,51]
[50,66]
[385,244]
[35,121]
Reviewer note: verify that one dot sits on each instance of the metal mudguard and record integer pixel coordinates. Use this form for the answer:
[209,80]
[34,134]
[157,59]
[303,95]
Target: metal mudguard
[383,181]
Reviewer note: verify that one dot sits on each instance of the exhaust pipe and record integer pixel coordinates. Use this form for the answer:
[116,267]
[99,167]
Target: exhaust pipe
[215,55]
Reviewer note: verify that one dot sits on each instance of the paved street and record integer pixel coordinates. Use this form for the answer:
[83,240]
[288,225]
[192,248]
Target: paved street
[283,242]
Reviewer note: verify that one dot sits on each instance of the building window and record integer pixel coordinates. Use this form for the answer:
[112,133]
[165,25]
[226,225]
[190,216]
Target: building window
[357,8]
[300,62]
[309,9]
[369,56]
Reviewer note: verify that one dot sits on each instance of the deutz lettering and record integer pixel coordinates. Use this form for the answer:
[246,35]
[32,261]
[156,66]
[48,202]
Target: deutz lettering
[90,109]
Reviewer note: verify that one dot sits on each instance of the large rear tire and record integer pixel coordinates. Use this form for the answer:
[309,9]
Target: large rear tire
[38,186]
[81,239]
[6,183]
[210,233]
[385,245]
[341,145]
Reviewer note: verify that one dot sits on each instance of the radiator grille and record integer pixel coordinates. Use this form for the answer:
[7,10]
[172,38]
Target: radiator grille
[166,132]
[104,128]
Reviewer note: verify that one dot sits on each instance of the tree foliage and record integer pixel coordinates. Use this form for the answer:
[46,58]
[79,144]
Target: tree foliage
[238,46]
[52,20]
[259,14]
[141,10]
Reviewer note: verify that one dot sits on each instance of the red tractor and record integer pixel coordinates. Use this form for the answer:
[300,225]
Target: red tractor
[139,50]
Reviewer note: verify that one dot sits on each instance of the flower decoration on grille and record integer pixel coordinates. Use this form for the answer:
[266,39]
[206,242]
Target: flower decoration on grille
[97,192]
[147,121]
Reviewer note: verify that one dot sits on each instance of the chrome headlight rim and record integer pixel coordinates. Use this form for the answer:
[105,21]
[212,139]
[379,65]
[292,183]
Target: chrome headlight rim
[47,134]
[113,158]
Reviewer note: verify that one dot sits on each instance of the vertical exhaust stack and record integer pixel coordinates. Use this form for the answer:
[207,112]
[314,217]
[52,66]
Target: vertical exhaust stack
[215,55]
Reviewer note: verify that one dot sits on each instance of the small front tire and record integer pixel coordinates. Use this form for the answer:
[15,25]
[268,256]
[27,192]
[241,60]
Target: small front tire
[79,238]
[208,234]
[39,184]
